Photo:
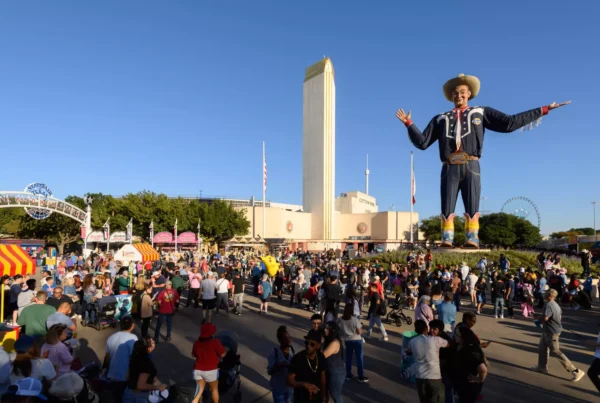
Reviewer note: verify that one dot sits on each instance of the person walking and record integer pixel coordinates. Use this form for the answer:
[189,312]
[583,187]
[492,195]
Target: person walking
[375,309]
[208,289]
[222,294]
[167,299]
[350,332]
[207,352]
[146,309]
[594,370]
[195,280]
[500,290]
[552,327]
[238,292]
[265,291]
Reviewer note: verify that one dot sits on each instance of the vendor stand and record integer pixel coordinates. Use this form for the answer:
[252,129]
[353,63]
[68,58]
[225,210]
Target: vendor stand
[13,260]
[139,252]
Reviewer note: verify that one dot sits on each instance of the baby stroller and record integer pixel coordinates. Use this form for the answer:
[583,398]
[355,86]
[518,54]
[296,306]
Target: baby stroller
[395,314]
[103,319]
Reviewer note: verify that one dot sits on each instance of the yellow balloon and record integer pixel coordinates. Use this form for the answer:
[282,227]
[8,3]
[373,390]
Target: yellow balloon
[271,265]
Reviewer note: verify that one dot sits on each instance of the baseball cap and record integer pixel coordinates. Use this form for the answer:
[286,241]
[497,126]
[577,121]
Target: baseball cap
[313,335]
[27,387]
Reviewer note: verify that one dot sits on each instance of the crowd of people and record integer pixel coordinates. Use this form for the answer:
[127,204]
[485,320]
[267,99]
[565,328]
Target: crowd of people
[446,358]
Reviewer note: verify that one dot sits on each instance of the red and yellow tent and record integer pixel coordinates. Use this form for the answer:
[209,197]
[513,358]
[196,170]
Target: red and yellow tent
[14,260]
[149,254]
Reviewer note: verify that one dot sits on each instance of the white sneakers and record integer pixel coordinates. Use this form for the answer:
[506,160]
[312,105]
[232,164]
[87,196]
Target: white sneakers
[577,375]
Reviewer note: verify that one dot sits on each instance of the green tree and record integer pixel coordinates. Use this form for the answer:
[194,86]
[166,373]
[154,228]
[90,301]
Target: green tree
[432,229]
[528,235]
[10,220]
[508,230]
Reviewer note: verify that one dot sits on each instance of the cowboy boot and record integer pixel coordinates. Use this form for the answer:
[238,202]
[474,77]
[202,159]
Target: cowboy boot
[472,231]
[447,231]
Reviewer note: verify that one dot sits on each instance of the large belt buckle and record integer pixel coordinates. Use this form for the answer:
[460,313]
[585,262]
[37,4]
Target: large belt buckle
[458,158]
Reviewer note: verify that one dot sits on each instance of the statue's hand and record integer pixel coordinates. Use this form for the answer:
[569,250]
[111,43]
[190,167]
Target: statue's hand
[405,117]
[554,105]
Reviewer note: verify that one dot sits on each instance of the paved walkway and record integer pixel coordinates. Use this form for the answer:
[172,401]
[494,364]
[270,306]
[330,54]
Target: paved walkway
[513,351]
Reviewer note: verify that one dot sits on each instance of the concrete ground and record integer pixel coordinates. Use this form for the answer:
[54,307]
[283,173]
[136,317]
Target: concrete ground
[512,353]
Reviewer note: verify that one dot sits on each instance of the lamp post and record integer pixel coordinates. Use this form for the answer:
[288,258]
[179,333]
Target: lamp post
[595,235]
[88,221]
[483,199]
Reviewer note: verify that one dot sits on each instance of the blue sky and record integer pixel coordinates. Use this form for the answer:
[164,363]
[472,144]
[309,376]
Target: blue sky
[177,96]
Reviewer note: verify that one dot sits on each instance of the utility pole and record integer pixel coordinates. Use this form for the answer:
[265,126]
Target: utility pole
[483,199]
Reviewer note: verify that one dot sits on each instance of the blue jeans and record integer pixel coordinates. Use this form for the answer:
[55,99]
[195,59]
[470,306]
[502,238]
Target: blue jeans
[163,316]
[499,302]
[335,383]
[457,300]
[135,397]
[283,397]
[449,389]
[354,347]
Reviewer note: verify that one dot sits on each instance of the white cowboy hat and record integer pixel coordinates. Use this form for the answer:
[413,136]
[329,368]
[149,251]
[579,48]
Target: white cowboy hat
[471,81]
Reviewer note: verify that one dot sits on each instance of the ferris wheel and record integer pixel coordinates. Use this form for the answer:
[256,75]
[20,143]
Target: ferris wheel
[524,208]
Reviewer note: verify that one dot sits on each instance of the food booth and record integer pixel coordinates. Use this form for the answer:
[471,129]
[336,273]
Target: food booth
[13,260]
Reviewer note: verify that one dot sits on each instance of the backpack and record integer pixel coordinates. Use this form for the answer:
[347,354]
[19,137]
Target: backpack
[260,288]
[382,308]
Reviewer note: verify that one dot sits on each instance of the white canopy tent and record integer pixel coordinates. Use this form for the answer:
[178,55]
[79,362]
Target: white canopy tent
[128,253]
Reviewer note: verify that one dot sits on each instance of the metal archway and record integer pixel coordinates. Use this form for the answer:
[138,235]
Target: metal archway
[40,204]
[522,212]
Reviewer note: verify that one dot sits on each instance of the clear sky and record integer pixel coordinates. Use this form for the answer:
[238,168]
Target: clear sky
[177,96]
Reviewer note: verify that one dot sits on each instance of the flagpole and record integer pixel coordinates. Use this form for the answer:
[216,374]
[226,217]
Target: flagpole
[412,178]
[264,192]
[176,235]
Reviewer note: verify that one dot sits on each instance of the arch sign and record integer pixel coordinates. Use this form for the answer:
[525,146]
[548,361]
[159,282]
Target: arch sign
[39,203]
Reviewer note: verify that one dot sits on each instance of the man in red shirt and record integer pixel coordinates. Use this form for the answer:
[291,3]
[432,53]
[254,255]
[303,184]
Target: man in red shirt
[167,300]
[207,351]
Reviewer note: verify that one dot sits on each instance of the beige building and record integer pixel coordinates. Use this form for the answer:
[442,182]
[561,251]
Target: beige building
[324,221]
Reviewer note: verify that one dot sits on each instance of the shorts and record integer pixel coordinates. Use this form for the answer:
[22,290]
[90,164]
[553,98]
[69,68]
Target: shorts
[265,300]
[209,304]
[481,298]
[472,290]
[207,376]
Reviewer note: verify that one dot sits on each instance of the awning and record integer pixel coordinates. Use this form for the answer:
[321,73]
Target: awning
[14,260]
[149,254]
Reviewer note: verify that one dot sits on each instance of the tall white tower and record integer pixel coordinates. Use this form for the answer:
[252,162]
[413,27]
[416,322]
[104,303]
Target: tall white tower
[367,176]
[318,148]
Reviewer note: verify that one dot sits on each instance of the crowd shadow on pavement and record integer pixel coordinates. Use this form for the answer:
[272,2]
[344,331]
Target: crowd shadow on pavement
[86,354]
[582,390]
[528,392]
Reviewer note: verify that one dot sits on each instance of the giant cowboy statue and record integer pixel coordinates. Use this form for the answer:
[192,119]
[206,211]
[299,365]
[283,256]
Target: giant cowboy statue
[460,136]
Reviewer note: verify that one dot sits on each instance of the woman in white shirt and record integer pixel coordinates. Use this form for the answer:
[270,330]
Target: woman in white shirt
[350,333]
[28,363]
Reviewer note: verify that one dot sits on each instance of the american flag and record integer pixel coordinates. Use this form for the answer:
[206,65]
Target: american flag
[264,170]
[413,182]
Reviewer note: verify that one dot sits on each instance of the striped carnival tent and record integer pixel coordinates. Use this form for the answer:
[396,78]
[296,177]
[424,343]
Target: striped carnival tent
[149,254]
[14,260]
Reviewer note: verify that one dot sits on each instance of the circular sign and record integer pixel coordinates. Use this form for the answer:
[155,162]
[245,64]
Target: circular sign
[43,192]
[361,228]
[289,226]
